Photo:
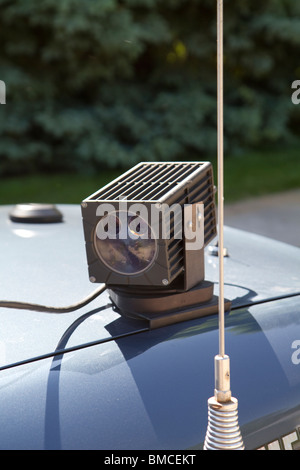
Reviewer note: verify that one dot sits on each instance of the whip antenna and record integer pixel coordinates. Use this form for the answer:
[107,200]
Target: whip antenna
[223,431]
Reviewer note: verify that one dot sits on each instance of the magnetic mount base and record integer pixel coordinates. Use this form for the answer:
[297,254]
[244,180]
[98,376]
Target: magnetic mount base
[163,308]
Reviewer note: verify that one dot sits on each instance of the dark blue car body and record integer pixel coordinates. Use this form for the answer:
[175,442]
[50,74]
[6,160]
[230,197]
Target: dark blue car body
[92,379]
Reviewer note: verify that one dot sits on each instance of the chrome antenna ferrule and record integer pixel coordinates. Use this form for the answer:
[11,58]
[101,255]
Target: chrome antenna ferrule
[222,379]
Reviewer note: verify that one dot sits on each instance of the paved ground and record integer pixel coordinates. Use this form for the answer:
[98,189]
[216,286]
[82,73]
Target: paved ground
[276,216]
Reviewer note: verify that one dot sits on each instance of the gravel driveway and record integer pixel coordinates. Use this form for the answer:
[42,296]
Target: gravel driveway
[276,216]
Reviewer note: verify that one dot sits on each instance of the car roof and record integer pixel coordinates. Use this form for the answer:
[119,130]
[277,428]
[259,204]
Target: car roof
[94,379]
[46,264]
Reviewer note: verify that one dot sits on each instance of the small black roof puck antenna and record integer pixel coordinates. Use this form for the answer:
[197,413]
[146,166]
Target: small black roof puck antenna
[223,432]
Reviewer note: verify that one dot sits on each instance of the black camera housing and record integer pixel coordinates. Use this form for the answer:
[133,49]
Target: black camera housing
[188,185]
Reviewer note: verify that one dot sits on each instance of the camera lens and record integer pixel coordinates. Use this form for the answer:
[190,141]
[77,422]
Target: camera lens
[129,251]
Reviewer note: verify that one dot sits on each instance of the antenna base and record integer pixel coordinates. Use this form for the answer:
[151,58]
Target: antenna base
[223,432]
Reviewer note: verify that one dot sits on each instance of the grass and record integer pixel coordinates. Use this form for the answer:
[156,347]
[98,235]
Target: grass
[246,176]
[53,188]
[257,174]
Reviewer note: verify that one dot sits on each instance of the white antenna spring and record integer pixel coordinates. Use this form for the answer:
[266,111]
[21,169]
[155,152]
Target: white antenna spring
[223,431]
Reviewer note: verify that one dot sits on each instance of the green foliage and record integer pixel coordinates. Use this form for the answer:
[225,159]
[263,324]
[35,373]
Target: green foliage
[108,83]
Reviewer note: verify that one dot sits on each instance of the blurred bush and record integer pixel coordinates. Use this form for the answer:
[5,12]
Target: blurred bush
[108,83]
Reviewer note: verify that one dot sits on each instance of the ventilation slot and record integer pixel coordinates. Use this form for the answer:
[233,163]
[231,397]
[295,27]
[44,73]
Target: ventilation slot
[148,182]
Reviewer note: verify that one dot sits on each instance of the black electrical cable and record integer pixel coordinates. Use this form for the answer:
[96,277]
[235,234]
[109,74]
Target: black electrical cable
[44,308]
